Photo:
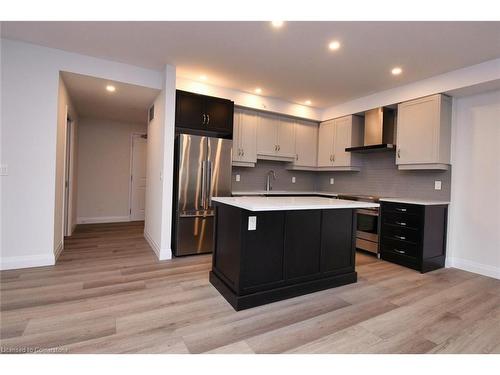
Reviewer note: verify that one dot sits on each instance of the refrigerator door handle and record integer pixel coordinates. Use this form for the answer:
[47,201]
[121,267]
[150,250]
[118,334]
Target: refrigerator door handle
[203,184]
[209,183]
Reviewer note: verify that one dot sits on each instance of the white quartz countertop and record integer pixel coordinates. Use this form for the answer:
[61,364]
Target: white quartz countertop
[423,202]
[291,203]
[283,192]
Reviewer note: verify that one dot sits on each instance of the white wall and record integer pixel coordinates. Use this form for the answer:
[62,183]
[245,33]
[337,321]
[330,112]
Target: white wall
[65,108]
[474,222]
[473,75]
[248,100]
[104,169]
[30,79]
[160,151]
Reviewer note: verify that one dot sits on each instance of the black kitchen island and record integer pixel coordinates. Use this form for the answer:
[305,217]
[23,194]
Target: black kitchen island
[273,248]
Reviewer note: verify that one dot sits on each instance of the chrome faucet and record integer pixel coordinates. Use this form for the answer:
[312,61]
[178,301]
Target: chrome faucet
[269,185]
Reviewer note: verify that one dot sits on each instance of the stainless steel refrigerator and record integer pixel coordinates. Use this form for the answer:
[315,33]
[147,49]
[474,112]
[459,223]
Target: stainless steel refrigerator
[202,170]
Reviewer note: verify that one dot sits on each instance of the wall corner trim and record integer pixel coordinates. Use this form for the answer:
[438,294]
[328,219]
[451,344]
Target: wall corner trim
[58,250]
[28,261]
[152,244]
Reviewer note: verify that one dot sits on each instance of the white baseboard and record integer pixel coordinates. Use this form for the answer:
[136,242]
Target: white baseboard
[479,268]
[102,219]
[58,250]
[28,261]
[162,254]
[152,243]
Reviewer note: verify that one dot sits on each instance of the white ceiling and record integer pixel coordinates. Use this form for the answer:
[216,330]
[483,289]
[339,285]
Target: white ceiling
[292,63]
[129,103]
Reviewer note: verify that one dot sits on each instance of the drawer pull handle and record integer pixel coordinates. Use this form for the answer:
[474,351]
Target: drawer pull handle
[401,209]
[400,251]
[400,237]
[402,223]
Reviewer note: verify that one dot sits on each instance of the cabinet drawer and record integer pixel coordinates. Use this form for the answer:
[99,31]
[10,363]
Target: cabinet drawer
[401,220]
[400,233]
[398,247]
[402,208]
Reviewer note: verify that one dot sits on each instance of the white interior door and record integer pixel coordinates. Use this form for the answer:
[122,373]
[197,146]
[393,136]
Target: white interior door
[138,178]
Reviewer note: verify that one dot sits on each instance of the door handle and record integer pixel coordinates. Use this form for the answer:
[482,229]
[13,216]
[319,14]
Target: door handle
[399,153]
[209,183]
[204,119]
[400,251]
[401,209]
[279,148]
[203,184]
[208,119]
[402,223]
[400,237]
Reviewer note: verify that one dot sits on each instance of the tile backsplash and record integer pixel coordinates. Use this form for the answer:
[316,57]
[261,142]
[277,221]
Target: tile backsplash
[379,175]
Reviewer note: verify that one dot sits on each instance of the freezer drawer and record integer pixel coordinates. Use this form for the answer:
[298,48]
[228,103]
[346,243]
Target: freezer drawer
[195,235]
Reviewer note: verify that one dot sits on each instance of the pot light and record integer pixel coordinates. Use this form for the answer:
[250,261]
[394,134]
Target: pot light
[110,88]
[396,71]
[307,102]
[258,90]
[277,24]
[334,45]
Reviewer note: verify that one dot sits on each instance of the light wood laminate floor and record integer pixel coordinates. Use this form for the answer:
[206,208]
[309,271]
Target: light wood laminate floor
[109,294]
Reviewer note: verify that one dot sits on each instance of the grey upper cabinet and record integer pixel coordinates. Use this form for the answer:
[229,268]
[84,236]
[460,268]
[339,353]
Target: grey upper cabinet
[306,145]
[424,133]
[334,137]
[275,138]
[245,138]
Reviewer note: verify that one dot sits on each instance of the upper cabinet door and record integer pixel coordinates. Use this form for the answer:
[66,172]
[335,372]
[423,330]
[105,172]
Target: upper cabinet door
[325,144]
[267,134]
[286,137]
[237,154]
[306,144]
[248,136]
[342,140]
[189,110]
[219,114]
[424,133]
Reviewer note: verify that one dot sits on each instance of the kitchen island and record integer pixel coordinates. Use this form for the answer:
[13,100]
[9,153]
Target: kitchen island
[273,248]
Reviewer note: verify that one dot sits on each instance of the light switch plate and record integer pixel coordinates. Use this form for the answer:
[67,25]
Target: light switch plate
[252,222]
[238,178]
[437,185]
[293,180]
[332,180]
[4,170]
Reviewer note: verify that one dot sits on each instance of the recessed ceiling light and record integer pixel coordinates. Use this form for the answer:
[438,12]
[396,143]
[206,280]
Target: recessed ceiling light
[110,88]
[308,102]
[277,24]
[396,71]
[258,90]
[334,45]
[203,77]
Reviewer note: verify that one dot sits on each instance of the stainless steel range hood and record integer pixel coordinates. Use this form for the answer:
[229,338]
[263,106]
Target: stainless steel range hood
[379,131]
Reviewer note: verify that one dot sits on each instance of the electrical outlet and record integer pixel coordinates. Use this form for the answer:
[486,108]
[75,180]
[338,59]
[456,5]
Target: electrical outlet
[293,179]
[238,178]
[437,185]
[4,170]
[332,180]
[252,222]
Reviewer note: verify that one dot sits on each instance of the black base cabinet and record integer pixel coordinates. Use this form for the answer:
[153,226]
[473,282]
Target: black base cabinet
[414,235]
[290,253]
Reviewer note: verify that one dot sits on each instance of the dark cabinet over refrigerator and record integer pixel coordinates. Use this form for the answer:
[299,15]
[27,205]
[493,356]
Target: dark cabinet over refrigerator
[199,114]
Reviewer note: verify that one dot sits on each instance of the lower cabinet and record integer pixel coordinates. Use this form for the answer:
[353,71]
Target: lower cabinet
[289,253]
[414,235]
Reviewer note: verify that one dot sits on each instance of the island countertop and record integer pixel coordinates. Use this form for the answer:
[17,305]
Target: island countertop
[291,203]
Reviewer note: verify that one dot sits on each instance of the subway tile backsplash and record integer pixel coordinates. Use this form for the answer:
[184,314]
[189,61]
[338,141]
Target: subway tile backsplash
[378,176]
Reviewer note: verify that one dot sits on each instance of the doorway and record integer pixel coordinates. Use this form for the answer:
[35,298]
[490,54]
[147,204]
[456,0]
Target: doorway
[138,154]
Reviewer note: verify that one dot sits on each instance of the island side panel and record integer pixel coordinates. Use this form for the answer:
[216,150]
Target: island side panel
[228,241]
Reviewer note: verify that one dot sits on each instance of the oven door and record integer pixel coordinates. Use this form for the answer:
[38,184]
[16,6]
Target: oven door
[367,224]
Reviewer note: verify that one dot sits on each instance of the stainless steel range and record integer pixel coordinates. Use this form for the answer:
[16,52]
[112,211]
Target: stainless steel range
[368,224]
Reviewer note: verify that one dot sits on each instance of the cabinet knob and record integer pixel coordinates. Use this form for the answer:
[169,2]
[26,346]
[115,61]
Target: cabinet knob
[208,119]
[204,119]
[399,153]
